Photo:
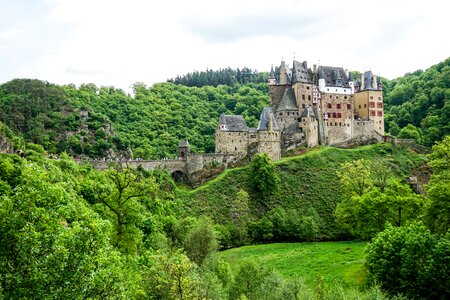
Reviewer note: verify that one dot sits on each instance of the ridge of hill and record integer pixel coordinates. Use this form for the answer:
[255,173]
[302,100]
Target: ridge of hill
[307,181]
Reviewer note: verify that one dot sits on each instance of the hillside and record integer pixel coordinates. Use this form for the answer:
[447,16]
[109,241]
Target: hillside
[420,99]
[307,181]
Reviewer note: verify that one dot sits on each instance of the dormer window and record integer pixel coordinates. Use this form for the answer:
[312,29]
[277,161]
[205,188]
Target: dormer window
[338,82]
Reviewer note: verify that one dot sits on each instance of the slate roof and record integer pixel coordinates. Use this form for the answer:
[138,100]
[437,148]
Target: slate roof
[332,73]
[288,74]
[288,101]
[368,81]
[301,73]
[183,144]
[308,112]
[266,115]
[233,122]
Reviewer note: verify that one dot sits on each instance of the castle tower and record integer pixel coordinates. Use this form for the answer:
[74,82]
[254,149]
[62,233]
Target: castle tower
[183,149]
[310,127]
[369,101]
[269,137]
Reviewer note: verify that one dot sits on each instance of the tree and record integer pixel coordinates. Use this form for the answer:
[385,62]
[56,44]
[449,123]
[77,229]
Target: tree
[411,261]
[239,215]
[438,214]
[52,245]
[411,132]
[201,241]
[121,195]
[263,176]
[354,177]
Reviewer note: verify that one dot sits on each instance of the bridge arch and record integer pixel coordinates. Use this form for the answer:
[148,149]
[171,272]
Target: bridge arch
[179,176]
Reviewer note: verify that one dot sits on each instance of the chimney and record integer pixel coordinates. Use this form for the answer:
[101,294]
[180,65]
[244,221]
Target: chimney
[362,82]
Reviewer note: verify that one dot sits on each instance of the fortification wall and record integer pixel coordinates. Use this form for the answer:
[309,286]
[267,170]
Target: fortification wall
[338,133]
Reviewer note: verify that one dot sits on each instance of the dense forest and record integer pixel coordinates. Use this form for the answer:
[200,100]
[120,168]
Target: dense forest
[68,231]
[226,76]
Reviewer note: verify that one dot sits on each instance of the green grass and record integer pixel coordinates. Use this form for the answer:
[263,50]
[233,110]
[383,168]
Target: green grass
[307,180]
[335,261]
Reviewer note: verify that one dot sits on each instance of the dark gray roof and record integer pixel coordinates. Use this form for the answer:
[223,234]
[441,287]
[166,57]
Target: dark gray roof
[350,77]
[288,74]
[368,81]
[233,122]
[183,144]
[301,73]
[266,115]
[272,73]
[308,112]
[332,73]
[288,101]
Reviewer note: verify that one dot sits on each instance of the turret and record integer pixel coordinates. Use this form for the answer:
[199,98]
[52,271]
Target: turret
[350,82]
[321,80]
[272,79]
[283,74]
[379,83]
[183,149]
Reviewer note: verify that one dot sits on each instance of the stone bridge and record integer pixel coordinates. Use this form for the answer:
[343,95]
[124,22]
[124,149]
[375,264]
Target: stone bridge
[180,169]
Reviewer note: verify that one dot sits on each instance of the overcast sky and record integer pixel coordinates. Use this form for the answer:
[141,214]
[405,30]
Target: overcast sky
[118,43]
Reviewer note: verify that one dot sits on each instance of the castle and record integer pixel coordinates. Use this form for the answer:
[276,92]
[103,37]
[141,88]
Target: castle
[308,107]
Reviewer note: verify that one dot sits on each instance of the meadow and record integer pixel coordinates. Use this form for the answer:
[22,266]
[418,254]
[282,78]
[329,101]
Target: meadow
[336,262]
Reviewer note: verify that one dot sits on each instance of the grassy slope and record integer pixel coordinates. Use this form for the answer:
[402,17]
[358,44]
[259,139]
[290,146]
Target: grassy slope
[306,180]
[335,261]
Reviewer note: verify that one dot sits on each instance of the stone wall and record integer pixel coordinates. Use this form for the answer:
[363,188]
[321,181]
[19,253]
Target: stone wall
[337,132]
[270,142]
[310,128]
[232,142]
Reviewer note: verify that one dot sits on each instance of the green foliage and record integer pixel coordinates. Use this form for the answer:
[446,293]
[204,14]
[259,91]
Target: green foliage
[411,261]
[262,176]
[226,76]
[373,197]
[438,215]
[201,241]
[52,245]
[419,102]
[307,182]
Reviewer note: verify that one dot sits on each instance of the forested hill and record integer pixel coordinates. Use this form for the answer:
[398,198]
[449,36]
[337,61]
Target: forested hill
[226,76]
[90,120]
[94,121]
[418,104]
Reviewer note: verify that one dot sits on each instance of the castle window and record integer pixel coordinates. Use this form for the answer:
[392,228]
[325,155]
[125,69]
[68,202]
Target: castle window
[280,114]
[329,105]
[340,124]
[360,106]
[334,115]
[307,87]
[331,97]
[379,105]
[309,97]
[339,115]
[371,104]
[337,97]
[303,106]
[379,98]
[288,113]
[235,148]
[372,113]
[380,113]
[345,97]
[303,97]
[349,106]
[365,105]
[335,124]
[338,106]
[348,125]
[371,97]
